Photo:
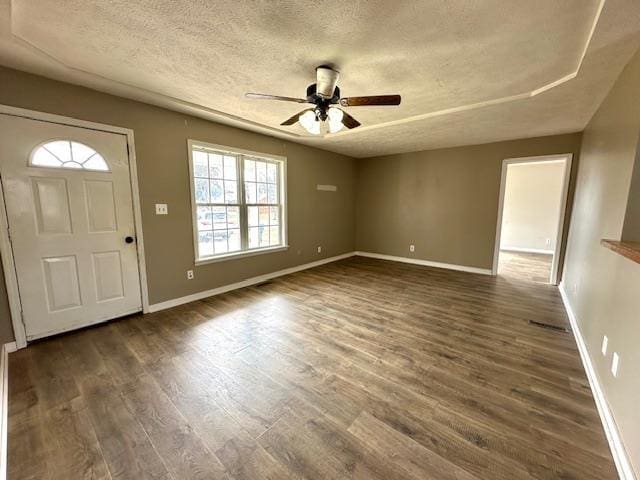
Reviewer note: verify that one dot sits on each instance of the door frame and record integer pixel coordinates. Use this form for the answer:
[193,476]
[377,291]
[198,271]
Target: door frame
[568,157]
[6,250]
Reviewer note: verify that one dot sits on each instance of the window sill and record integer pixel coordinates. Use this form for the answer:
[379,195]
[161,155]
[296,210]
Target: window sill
[238,255]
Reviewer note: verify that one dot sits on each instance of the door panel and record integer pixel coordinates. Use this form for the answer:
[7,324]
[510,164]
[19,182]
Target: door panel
[61,283]
[68,218]
[108,274]
[101,206]
[51,202]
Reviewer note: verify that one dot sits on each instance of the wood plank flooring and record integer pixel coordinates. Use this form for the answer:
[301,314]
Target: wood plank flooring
[534,267]
[362,369]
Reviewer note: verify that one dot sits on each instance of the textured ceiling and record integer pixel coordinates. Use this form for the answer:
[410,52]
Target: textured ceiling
[468,71]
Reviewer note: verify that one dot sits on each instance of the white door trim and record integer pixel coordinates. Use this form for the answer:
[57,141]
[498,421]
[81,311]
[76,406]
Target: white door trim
[6,250]
[568,158]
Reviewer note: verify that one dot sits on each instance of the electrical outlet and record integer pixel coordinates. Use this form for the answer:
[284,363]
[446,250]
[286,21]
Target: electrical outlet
[605,344]
[412,248]
[162,209]
[547,242]
[189,274]
[319,249]
[615,364]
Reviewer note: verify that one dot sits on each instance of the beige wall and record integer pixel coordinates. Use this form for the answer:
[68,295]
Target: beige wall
[532,206]
[631,229]
[445,202]
[603,287]
[314,217]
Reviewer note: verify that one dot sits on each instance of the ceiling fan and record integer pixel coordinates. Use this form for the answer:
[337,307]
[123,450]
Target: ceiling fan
[325,95]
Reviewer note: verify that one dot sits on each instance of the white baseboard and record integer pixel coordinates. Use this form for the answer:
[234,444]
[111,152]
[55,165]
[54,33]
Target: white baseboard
[244,283]
[4,404]
[620,457]
[527,250]
[426,263]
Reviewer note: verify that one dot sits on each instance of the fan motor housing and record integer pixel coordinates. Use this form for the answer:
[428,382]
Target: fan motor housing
[321,103]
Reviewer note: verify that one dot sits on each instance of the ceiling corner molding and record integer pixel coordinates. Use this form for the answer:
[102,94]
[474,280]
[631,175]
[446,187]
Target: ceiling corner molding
[167,101]
[486,103]
[162,100]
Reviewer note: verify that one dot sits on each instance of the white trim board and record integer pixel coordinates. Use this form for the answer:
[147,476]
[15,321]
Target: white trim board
[425,263]
[6,250]
[4,405]
[156,307]
[623,464]
[527,250]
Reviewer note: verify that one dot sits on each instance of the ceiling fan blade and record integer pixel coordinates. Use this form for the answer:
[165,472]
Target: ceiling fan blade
[348,121]
[263,96]
[326,80]
[370,101]
[296,117]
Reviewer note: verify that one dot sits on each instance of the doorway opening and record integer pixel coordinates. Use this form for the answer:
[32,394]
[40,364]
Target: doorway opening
[531,217]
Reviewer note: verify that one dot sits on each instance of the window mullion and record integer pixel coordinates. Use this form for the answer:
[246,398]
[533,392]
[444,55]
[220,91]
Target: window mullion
[244,227]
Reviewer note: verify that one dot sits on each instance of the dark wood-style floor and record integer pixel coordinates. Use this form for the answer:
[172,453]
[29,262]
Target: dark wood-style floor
[360,369]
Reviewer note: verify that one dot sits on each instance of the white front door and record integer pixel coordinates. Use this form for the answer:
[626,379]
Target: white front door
[70,213]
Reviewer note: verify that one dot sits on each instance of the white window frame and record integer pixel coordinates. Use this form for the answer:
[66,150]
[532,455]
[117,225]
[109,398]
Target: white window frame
[244,230]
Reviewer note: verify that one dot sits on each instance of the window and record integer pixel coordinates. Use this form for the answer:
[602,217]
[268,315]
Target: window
[238,202]
[68,154]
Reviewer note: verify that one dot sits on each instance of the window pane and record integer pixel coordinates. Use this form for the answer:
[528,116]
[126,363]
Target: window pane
[274,216]
[272,193]
[220,241]
[215,165]
[204,218]
[261,171]
[219,218]
[263,216]
[202,190]
[233,217]
[96,162]
[271,173]
[253,216]
[264,236]
[217,191]
[234,240]
[250,170]
[262,193]
[230,167]
[80,152]
[253,237]
[61,149]
[250,192]
[205,244]
[230,191]
[200,165]
[45,158]
[274,235]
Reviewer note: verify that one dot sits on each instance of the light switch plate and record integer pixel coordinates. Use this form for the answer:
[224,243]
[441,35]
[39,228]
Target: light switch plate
[162,209]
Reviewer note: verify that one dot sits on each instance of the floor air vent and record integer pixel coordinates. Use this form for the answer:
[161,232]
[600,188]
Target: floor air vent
[548,326]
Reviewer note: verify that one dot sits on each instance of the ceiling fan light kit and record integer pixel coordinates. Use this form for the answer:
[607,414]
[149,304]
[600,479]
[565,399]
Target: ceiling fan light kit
[325,95]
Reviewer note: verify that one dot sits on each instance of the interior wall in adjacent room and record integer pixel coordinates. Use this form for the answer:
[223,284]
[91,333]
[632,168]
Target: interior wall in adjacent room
[532,200]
